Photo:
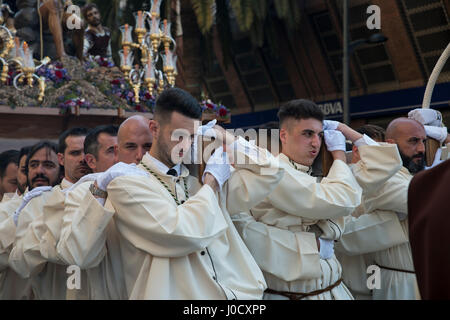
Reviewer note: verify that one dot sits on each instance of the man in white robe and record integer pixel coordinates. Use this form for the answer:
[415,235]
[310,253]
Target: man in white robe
[397,276]
[42,171]
[34,251]
[376,231]
[177,239]
[89,236]
[296,225]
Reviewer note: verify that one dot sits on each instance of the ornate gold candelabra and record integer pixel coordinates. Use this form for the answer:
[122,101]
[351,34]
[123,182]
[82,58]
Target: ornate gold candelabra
[153,40]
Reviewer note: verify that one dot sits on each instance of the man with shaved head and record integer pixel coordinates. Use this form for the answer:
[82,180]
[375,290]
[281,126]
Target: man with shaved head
[134,140]
[88,235]
[396,269]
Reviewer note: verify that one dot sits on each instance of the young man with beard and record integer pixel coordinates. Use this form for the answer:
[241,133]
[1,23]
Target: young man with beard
[89,236]
[291,233]
[31,256]
[42,172]
[176,237]
[8,174]
[97,38]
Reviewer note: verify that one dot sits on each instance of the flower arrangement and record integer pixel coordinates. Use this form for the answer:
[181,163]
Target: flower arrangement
[122,89]
[97,61]
[55,73]
[218,109]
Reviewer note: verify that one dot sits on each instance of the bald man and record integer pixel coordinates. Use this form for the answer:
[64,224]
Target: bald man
[88,237]
[397,277]
[134,140]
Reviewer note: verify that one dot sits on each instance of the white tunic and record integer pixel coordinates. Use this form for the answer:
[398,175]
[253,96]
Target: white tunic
[288,221]
[192,250]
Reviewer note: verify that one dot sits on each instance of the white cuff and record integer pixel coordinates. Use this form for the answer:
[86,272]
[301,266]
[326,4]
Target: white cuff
[365,141]
[245,147]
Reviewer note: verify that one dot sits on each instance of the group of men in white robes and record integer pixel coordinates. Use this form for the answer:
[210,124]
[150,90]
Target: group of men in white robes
[132,222]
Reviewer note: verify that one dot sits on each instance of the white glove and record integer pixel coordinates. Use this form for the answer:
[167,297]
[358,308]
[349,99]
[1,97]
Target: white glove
[207,130]
[326,248]
[219,166]
[437,133]
[330,124]
[426,116]
[36,192]
[334,140]
[118,170]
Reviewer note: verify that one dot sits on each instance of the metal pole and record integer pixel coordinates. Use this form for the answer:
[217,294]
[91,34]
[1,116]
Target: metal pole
[345,67]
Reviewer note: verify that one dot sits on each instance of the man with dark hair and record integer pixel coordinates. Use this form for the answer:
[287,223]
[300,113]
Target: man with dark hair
[179,227]
[71,154]
[42,166]
[99,147]
[8,174]
[88,234]
[97,38]
[40,224]
[293,236]
[42,173]
[22,180]
[375,132]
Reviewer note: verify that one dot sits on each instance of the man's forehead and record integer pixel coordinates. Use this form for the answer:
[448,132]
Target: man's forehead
[75,141]
[43,154]
[306,124]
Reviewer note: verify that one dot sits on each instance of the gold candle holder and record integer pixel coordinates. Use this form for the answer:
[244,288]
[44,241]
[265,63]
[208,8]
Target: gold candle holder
[4,75]
[136,88]
[150,83]
[41,89]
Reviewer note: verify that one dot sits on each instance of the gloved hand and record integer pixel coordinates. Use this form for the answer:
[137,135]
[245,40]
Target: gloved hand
[118,170]
[207,129]
[36,192]
[437,133]
[334,140]
[330,125]
[326,248]
[219,166]
[426,116]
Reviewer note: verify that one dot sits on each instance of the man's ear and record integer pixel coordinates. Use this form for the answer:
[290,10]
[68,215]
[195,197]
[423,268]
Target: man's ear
[91,161]
[61,159]
[154,128]
[283,136]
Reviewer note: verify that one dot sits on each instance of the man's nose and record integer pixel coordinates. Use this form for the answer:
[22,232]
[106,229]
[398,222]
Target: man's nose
[421,147]
[316,141]
[139,154]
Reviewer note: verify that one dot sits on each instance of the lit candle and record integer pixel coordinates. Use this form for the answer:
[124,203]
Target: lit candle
[139,19]
[166,33]
[125,56]
[17,41]
[126,33]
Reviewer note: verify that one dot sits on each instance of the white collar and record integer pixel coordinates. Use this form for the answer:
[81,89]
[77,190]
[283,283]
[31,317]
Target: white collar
[65,184]
[162,167]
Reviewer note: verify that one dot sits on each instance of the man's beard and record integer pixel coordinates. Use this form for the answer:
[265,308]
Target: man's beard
[409,164]
[22,187]
[40,176]
[95,23]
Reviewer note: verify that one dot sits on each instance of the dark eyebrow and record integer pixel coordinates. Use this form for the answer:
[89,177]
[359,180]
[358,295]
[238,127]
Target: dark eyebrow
[130,144]
[308,131]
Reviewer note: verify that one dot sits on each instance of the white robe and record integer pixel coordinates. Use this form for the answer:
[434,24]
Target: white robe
[34,252]
[12,286]
[89,240]
[192,250]
[288,221]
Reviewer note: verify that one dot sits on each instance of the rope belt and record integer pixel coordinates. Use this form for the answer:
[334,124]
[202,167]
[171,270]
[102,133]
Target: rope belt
[395,269]
[301,295]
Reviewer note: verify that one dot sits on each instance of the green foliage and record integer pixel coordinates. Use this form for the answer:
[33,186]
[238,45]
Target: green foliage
[204,11]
